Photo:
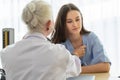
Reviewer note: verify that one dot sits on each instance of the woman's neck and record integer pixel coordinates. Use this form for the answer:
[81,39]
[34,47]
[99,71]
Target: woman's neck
[76,40]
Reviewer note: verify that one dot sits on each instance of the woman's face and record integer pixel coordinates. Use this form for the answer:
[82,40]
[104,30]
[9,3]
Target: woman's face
[73,22]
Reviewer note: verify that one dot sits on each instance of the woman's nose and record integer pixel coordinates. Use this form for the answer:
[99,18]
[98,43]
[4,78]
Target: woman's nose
[74,23]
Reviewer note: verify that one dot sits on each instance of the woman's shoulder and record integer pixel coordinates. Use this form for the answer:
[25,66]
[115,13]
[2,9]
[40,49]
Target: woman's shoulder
[90,38]
[90,35]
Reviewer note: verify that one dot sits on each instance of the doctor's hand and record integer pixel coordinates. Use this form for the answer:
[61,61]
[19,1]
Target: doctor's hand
[80,51]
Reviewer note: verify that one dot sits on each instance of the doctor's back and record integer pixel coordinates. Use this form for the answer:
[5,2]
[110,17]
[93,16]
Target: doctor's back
[35,58]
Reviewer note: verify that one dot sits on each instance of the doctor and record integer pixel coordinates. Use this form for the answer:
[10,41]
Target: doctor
[34,57]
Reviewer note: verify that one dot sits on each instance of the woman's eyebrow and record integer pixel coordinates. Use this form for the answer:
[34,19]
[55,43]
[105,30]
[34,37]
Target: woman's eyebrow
[68,19]
[77,17]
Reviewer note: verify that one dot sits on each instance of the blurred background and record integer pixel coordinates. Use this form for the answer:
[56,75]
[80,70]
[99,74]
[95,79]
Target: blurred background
[100,16]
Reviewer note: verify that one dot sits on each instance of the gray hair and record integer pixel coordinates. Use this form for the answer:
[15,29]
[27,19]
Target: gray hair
[36,14]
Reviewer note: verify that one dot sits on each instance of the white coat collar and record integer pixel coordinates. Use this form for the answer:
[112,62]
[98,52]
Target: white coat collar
[34,35]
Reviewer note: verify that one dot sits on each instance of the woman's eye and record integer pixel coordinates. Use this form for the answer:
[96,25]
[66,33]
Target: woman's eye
[77,19]
[69,21]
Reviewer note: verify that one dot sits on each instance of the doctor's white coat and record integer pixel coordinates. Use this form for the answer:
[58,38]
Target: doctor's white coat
[35,58]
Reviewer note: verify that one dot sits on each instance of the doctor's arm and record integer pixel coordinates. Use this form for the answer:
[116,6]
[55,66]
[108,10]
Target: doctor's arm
[74,66]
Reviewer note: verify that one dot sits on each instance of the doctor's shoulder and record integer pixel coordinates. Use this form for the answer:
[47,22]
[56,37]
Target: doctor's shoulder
[8,47]
[59,49]
[11,47]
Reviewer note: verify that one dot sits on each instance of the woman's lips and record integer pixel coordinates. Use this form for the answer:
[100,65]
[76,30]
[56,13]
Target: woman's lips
[75,28]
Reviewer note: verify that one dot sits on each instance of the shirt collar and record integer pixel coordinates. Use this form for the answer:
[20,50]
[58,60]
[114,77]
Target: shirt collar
[69,45]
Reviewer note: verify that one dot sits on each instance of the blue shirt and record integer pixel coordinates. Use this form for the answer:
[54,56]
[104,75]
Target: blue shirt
[94,53]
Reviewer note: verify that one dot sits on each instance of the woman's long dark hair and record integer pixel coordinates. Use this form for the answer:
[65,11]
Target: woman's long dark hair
[60,24]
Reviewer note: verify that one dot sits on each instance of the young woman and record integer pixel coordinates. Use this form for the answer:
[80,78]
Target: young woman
[71,33]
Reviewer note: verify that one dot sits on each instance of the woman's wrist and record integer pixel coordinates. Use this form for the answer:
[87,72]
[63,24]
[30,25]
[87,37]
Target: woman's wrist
[75,53]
